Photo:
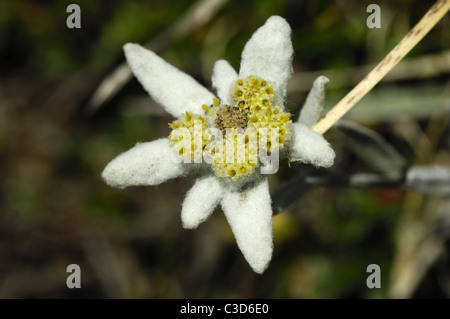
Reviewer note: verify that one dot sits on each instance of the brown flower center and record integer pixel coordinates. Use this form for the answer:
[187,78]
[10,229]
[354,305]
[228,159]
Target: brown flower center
[230,117]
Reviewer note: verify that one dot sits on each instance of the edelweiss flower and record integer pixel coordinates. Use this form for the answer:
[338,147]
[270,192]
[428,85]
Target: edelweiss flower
[254,99]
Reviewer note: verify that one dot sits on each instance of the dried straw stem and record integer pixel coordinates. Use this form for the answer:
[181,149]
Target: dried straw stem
[436,12]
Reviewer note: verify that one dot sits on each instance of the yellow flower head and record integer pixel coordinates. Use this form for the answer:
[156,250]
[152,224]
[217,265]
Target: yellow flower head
[253,122]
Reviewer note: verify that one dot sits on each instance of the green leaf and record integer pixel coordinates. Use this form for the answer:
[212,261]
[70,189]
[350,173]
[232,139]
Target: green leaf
[371,148]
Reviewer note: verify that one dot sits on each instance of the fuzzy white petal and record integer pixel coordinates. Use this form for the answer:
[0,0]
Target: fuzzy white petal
[145,164]
[200,201]
[176,91]
[310,147]
[268,54]
[222,78]
[313,107]
[249,214]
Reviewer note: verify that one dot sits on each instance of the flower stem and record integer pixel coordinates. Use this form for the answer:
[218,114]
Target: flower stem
[429,20]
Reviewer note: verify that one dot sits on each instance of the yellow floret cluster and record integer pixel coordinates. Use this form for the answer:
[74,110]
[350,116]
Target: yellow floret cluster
[238,147]
[188,134]
[256,97]
[243,125]
[252,94]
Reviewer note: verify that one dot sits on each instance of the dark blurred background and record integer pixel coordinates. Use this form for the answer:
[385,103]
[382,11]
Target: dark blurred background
[58,130]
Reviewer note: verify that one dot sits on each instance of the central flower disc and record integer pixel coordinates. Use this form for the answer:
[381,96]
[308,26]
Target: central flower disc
[230,117]
[247,124]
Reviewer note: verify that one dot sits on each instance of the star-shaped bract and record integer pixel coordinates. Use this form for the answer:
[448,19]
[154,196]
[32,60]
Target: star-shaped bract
[247,207]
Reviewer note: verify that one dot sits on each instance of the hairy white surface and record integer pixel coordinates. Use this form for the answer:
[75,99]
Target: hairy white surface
[222,78]
[313,107]
[249,214]
[145,164]
[310,147]
[268,54]
[173,89]
[200,201]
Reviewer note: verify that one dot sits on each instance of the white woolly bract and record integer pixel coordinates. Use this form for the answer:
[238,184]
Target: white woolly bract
[249,214]
[145,164]
[200,201]
[173,89]
[268,54]
[222,78]
[310,147]
[313,107]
